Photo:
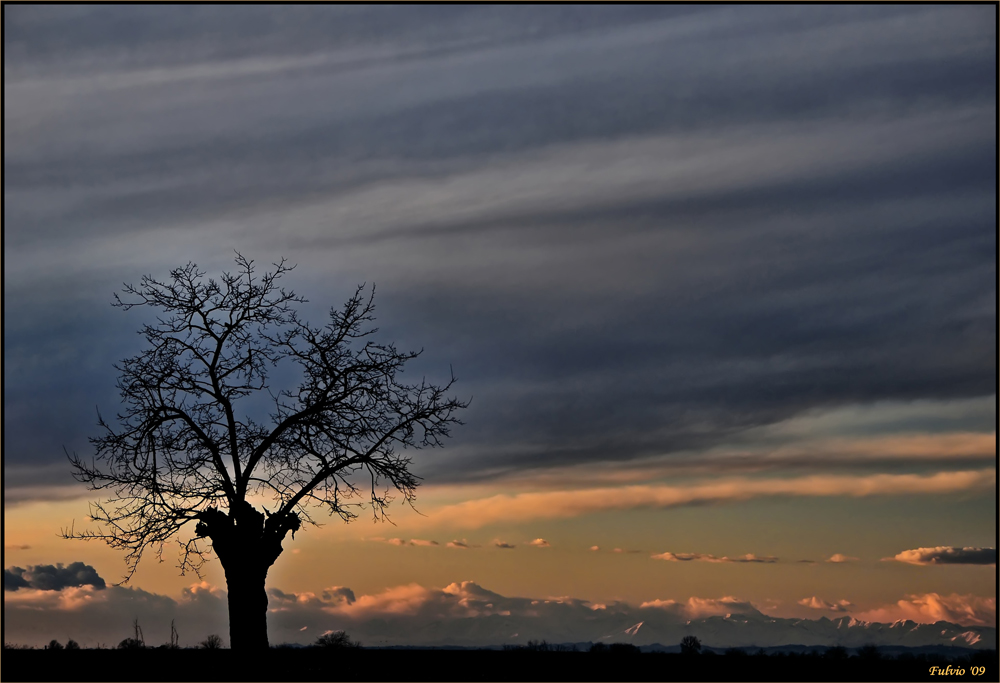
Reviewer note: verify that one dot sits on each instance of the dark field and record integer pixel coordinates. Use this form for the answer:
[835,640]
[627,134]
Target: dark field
[468,665]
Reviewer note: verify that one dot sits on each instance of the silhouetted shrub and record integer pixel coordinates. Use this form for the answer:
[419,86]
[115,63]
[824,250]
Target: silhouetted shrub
[131,644]
[213,642]
[335,640]
[690,645]
[54,645]
[537,646]
[72,645]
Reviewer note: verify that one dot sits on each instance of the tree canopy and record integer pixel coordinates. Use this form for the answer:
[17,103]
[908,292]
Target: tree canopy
[191,438]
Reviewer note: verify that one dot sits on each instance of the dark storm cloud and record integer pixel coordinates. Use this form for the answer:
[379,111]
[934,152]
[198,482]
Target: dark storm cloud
[631,231]
[948,555]
[47,577]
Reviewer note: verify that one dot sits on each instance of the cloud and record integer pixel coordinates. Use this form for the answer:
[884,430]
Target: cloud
[461,613]
[699,608]
[943,554]
[91,616]
[699,557]
[458,544]
[542,139]
[338,594]
[420,542]
[539,543]
[839,558]
[817,603]
[503,544]
[595,548]
[52,578]
[562,504]
[969,610]
[328,597]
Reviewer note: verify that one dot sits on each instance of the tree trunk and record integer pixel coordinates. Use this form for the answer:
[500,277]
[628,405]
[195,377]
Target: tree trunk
[247,605]
[247,544]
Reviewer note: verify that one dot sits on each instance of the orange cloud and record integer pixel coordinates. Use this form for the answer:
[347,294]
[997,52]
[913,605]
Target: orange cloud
[699,557]
[540,543]
[818,603]
[403,541]
[572,503]
[697,608]
[70,598]
[928,608]
[839,558]
[397,600]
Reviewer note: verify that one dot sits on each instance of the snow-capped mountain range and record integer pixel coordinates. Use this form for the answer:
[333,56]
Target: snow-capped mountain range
[746,630]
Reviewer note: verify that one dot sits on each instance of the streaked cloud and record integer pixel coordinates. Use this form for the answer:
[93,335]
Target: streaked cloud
[701,261]
[944,554]
[404,542]
[503,544]
[562,504]
[699,557]
[539,543]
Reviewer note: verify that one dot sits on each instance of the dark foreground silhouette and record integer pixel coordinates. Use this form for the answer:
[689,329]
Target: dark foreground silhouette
[370,664]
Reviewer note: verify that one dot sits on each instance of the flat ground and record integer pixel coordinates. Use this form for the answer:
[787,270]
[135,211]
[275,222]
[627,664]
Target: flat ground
[469,665]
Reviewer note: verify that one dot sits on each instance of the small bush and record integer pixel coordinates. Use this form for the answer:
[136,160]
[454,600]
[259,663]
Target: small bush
[213,642]
[72,645]
[335,640]
[54,645]
[131,644]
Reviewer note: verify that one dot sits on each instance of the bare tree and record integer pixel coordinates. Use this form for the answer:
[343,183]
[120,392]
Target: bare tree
[192,446]
[690,645]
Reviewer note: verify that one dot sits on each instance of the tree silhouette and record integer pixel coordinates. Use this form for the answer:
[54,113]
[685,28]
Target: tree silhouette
[690,645]
[193,443]
[212,642]
[335,640]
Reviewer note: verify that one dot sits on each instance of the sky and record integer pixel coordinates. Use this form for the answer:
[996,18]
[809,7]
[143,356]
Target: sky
[720,282]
